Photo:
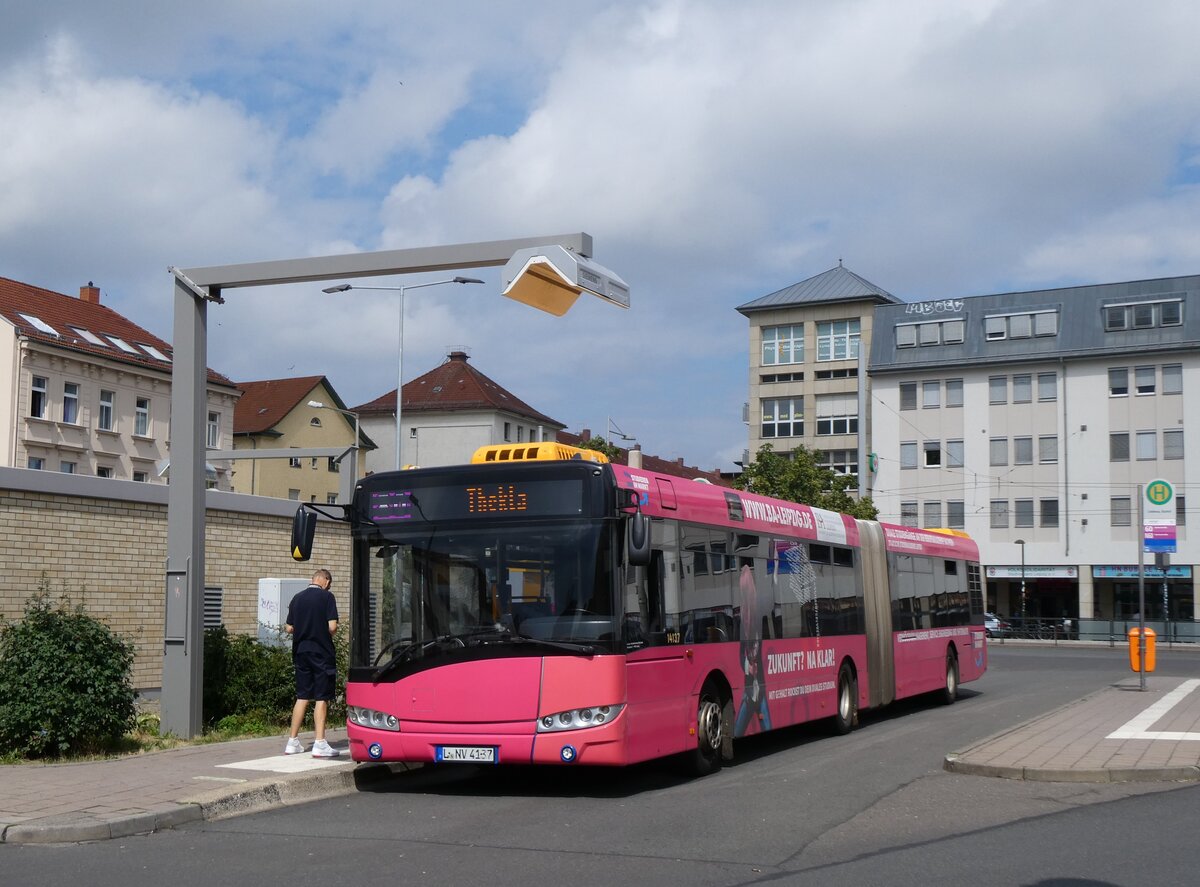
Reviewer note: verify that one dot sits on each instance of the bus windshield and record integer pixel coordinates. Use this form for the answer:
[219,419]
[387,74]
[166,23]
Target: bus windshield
[548,583]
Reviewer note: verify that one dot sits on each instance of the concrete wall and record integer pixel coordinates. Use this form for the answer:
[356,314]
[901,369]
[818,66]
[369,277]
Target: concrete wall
[104,542]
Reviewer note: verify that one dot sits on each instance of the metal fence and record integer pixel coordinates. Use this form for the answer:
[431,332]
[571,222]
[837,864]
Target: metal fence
[1109,631]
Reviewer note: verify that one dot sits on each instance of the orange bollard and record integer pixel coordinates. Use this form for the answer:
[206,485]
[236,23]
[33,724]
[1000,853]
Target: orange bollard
[1135,651]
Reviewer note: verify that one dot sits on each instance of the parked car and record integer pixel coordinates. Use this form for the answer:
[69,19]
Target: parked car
[995,626]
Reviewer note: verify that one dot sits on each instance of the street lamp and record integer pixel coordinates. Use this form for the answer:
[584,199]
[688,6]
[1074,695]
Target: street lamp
[1021,542]
[316,404]
[346,287]
[612,426]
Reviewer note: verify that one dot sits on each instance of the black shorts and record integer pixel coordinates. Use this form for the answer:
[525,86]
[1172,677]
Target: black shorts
[316,676]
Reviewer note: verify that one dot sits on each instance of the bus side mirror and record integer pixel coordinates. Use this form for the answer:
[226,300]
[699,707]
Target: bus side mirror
[638,547]
[304,529]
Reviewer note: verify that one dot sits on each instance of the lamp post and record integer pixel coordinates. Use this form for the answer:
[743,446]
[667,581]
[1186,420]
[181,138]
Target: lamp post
[345,287]
[1021,542]
[318,405]
[611,427]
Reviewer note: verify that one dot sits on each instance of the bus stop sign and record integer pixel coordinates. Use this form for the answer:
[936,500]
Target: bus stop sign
[1158,517]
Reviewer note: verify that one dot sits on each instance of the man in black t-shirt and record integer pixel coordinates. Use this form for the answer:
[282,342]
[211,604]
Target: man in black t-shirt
[312,620]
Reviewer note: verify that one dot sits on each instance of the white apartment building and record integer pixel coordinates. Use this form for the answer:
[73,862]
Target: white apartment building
[89,391]
[1029,420]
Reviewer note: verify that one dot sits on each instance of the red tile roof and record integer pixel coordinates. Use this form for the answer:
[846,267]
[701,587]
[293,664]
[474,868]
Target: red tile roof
[457,386]
[64,314]
[675,468]
[264,404]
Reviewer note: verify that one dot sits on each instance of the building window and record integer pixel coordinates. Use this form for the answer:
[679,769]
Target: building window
[294,495]
[952,331]
[783,417]
[908,395]
[1020,326]
[1115,319]
[841,461]
[36,463]
[213,436]
[315,421]
[956,515]
[1047,449]
[908,454]
[837,414]
[66,467]
[1049,512]
[1143,380]
[141,477]
[1118,507]
[1173,444]
[998,450]
[107,399]
[954,454]
[508,431]
[332,464]
[933,454]
[933,514]
[1143,315]
[1045,323]
[1181,511]
[931,395]
[999,514]
[837,340]
[908,514]
[1118,446]
[906,335]
[1022,512]
[995,328]
[1118,382]
[1022,450]
[1022,389]
[1171,313]
[954,392]
[930,333]
[103,471]
[783,344]
[1047,386]
[70,412]
[141,417]
[998,389]
[37,397]
[294,462]
[1172,379]
[331,498]
[1147,445]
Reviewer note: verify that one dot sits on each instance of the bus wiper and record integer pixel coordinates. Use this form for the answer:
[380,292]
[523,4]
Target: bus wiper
[566,646]
[412,651]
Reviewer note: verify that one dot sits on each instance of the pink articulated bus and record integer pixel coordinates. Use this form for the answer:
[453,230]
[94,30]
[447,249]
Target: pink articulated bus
[539,606]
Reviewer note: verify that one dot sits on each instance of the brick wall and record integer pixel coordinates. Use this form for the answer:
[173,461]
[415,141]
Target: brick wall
[104,543]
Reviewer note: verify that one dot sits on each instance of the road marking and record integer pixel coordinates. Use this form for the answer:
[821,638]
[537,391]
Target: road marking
[217,779]
[288,763]
[1139,727]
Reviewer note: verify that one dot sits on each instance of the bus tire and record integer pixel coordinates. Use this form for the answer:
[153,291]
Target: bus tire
[712,724]
[950,692]
[845,716]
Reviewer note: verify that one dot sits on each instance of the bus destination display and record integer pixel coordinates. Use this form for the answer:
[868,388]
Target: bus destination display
[535,498]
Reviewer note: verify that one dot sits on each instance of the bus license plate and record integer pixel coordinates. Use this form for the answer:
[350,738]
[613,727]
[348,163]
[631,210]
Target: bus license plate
[471,754]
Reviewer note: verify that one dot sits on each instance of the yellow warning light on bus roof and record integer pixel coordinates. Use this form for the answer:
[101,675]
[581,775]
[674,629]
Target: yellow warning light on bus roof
[535,452]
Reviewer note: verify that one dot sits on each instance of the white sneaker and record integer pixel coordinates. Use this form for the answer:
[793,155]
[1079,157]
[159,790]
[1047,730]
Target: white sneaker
[322,749]
[293,747]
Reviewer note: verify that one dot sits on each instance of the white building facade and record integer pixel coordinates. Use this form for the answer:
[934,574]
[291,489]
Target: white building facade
[1029,420]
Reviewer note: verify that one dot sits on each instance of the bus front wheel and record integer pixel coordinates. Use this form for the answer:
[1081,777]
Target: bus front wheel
[845,718]
[712,722]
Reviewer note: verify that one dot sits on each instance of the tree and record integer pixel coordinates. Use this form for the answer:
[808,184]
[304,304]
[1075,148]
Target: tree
[600,445]
[800,478]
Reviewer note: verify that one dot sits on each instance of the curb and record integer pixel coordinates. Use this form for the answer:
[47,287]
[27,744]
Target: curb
[217,804]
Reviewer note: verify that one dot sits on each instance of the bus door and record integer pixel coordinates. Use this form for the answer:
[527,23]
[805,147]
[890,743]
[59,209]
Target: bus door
[877,602]
[659,673]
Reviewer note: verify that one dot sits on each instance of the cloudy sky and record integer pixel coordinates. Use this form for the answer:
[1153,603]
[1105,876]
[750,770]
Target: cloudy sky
[715,151]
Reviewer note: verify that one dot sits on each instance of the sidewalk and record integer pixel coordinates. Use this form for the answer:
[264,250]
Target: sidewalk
[96,800]
[1117,734]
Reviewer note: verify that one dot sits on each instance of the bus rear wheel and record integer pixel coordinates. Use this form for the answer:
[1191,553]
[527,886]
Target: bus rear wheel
[950,691]
[845,718]
[712,722]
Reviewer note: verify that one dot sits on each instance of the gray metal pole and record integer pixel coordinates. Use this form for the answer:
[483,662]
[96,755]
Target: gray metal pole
[400,382]
[1141,558]
[183,635]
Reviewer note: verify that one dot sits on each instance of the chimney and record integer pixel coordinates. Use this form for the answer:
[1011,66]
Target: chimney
[635,456]
[90,293]
[460,356]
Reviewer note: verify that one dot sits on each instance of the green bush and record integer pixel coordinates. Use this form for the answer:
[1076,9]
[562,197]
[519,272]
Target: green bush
[248,683]
[65,681]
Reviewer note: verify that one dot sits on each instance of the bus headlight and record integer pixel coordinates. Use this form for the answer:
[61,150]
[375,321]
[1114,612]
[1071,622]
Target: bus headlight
[578,718]
[369,717]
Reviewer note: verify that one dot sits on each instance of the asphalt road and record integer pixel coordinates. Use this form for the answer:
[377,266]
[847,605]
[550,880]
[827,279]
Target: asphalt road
[799,807]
